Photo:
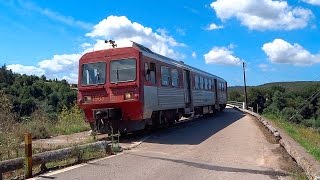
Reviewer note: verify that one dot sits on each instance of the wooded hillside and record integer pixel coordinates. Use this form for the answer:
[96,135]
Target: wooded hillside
[290,100]
[28,93]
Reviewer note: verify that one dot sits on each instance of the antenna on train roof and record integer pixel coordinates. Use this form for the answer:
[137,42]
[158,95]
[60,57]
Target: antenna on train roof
[113,43]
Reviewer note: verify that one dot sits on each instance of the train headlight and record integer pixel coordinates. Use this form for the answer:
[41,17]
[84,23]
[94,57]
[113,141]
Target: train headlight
[128,96]
[87,99]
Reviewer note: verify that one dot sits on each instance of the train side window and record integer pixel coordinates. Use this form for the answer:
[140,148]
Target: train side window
[174,77]
[201,82]
[196,82]
[165,76]
[210,84]
[146,71]
[206,84]
[153,73]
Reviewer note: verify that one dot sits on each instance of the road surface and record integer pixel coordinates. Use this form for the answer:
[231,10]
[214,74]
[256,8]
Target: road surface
[229,145]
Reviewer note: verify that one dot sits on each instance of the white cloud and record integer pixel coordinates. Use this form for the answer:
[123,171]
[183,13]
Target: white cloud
[313,2]
[282,52]
[122,30]
[263,67]
[213,26]
[72,77]
[29,70]
[85,45]
[266,67]
[68,20]
[263,14]
[194,54]
[61,62]
[221,55]
[181,31]
[118,28]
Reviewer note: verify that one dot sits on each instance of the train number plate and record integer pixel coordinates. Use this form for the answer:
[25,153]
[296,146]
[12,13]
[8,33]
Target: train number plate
[98,98]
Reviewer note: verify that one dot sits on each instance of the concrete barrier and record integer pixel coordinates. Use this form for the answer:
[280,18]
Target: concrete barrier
[307,162]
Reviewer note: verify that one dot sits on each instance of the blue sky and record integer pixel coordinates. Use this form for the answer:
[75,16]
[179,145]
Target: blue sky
[278,40]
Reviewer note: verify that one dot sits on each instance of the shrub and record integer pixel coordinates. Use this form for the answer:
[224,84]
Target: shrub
[290,114]
[308,122]
[39,125]
[317,123]
[71,121]
[272,110]
[9,142]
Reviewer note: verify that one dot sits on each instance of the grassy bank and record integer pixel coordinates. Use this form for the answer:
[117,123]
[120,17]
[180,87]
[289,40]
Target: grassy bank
[309,138]
[69,121]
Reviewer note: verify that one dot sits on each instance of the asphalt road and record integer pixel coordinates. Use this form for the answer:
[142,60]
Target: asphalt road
[229,145]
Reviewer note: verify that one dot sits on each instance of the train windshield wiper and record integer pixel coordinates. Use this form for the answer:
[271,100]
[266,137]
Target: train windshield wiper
[97,75]
[117,74]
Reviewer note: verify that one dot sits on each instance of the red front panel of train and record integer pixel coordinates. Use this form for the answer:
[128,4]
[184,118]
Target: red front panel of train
[111,79]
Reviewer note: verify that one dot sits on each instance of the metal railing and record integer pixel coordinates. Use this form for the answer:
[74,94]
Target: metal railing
[238,104]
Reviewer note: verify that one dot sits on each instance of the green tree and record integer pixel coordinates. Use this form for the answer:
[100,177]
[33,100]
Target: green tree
[290,114]
[235,95]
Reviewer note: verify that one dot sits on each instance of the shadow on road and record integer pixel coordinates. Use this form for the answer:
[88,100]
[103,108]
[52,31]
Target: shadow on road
[196,131]
[272,173]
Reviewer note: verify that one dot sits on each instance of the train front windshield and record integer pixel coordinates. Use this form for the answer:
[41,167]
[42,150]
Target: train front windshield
[93,73]
[123,70]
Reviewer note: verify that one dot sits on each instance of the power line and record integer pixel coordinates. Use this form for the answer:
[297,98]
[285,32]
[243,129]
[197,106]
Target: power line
[306,103]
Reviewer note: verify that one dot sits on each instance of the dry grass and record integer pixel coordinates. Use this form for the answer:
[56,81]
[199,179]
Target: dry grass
[11,133]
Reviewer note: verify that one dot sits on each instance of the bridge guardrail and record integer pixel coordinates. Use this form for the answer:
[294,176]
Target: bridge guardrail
[51,156]
[239,105]
[236,103]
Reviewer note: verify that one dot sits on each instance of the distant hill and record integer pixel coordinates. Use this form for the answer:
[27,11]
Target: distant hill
[289,86]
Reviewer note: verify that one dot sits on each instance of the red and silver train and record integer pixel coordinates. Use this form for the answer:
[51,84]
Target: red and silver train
[129,89]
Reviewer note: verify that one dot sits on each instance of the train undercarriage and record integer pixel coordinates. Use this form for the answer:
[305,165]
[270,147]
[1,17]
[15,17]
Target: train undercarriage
[109,120]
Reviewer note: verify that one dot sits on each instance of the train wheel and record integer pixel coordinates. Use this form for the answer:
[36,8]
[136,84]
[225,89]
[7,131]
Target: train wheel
[155,120]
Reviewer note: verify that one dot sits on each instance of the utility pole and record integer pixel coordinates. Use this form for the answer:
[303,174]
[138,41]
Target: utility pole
[245,86]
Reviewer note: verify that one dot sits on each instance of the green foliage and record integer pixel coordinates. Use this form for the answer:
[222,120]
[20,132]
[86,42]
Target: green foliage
[39,125]
[29,93]
[290,114]
[256,99]
[235,96]
[9,142]
[287,100]
[309,138]
[70,121]
[37,105]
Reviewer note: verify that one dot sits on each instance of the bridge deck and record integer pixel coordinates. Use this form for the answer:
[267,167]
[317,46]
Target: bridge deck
[229,145]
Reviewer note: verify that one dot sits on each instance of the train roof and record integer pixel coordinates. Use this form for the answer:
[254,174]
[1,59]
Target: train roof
[147,52]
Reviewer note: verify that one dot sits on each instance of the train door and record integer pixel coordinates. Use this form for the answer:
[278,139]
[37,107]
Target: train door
[187,87]
[216,93]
